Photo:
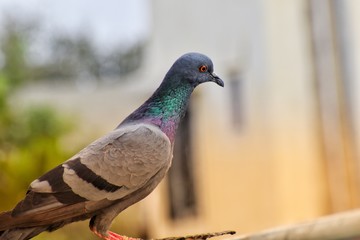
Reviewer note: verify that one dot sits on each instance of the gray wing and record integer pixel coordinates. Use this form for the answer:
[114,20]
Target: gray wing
[119,164]
[110,168]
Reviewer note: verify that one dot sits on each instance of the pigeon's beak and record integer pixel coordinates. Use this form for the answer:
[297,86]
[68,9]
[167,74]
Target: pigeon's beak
[217,80]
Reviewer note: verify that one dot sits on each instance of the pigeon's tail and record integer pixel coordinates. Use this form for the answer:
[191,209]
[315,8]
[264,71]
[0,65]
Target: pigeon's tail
[26,226]
[21,233]
[22,225]
[16,233]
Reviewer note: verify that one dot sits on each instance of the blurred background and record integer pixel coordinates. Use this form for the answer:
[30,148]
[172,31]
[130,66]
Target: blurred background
[279,144]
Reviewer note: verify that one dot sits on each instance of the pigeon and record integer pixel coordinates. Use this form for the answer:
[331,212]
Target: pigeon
[116,170]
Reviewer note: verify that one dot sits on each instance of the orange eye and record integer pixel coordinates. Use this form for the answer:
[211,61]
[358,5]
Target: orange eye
[203,68]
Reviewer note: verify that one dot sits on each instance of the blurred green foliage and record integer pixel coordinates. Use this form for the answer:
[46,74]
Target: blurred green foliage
[29,138]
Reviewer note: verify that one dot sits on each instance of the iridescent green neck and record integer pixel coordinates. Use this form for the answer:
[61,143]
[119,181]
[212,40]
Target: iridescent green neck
[169,103]
[164,108]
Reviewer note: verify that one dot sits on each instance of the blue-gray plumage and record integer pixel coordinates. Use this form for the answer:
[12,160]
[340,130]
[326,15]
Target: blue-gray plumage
[115,171]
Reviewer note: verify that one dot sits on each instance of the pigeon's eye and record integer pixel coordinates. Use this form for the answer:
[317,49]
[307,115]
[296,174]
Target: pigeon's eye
[203,68]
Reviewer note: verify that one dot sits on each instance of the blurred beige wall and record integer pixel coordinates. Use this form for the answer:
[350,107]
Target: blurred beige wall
[271,169]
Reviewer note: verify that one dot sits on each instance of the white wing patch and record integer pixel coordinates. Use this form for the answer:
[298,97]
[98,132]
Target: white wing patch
[41,186]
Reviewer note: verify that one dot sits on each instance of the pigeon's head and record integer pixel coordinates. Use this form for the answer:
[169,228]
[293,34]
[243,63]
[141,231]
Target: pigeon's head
[194,68]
